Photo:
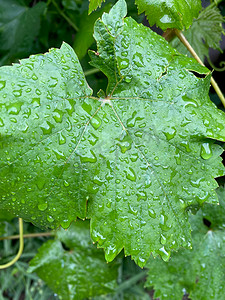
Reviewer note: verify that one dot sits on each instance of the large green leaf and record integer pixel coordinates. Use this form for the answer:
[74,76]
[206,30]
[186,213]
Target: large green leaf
[134,160]
[19,25]
[170,13]
[204,33]
[199,272]
[78,272]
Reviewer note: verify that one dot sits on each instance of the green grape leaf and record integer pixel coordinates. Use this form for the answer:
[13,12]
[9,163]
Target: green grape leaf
[170,13]
[199,272]
[78,272]
[132,162]
[21,24]
[204,33]
[94,4]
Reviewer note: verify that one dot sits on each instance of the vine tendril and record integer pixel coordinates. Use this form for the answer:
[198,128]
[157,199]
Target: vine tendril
[20,251]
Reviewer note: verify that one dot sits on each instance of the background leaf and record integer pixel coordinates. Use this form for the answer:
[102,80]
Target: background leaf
[65,271]
[199,272]
[21,24]
[170,14]
[204,33]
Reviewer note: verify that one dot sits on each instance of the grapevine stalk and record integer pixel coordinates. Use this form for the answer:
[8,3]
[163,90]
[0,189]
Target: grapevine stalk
[184,41]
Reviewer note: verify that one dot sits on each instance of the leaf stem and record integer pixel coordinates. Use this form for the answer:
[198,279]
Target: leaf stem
[194,54]
[65,16]
[28,235]
[91,71]
[20,248]
[130,282]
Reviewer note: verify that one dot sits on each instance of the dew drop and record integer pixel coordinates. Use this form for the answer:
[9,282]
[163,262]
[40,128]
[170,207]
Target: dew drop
[138,60]
[38,92]
[138,134]
[124,63]
[14,108]
[61,138]
[42,206]
[17,93]
[96,122]
[46,127]
[65,223]
[36,101]
[124,53]
[206,151]
[50,219]
[163,239]
[88,158]
[2,84]
[151,213]
[170,134]
[164,254]
[125,143]
[177,158]
[186,145]
[1,122]
[130,174]
[66,183]
[128,78]
[58,115]
[34,77]
[132,210]
[134,157]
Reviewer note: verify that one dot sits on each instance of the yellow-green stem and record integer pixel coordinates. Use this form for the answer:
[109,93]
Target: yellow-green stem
[20,247]
[28,235]
[194,54]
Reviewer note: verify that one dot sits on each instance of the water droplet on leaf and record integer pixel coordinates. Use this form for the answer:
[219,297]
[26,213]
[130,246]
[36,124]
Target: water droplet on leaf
[42,206]
[206,151]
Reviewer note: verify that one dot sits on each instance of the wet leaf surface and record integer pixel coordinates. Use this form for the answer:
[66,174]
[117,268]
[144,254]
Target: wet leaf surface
[132,162]
[200,271]
[170,14]
[78,272]
[208,28]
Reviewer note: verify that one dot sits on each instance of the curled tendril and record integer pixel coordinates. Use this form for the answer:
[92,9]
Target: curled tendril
[222,65]
[20,251]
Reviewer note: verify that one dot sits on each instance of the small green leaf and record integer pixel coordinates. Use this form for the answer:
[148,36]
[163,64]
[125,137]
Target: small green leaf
[204,33]
[170,14]
[78,272]
[94,4]
[199,272]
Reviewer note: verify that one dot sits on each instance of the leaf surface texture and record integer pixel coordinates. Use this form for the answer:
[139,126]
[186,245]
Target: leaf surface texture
[132,162]
[77,272]
[204,33]
[170,13]
[200,271]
